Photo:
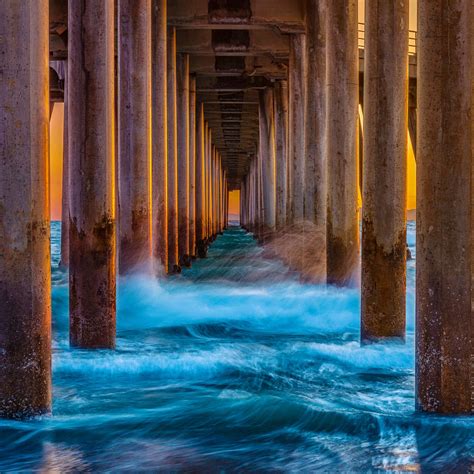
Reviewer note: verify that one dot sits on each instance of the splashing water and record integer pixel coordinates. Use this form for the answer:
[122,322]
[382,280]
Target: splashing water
[235,365]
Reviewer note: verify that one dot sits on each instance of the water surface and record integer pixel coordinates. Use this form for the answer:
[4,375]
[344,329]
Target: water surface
[235,366]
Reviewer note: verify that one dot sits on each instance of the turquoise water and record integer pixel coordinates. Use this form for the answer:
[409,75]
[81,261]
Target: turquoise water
[234,366]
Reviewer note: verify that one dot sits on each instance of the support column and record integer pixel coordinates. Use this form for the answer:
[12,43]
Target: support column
[267,153]
[25,261]
[315,175]
[281,152]
[192,166]
[342,141]
[296,129]
[134,148]
[384,172]
[201,245]
[182,81]
[92,164]
[444,318]
[173,254]
[64,263]
[159,134]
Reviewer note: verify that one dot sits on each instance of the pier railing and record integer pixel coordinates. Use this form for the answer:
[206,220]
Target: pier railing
[411,39]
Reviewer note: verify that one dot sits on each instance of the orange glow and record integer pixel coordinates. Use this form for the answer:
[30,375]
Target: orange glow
[56,159]
[234,203]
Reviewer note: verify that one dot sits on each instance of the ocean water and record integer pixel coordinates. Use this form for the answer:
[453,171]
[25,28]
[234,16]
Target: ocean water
[234,366]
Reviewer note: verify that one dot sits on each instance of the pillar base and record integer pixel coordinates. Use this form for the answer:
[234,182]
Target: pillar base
[202,247]
[185,261]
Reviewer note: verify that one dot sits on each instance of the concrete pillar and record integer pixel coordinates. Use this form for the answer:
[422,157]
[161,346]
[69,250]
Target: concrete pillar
[342,141]
[173,254]
[444,318]
[315,174]
[182,81]
[64,263]
[267,153]
[383,274]
[281,152]
[209,185]
[134,124]
[159,134]
[206,182]
[25,261]
[92,166]
[192,166]
[200,219]
[296,129]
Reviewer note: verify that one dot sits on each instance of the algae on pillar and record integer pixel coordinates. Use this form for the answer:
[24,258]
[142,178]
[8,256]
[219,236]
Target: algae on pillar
[25,261]
[134,128]
[92,272]
[159,134]
[383,270]
[342,141]
[444,227]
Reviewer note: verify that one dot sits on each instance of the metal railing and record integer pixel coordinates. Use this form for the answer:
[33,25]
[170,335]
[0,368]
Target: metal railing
[411,39]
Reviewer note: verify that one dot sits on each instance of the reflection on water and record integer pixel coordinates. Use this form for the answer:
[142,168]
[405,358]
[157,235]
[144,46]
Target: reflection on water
[235,365]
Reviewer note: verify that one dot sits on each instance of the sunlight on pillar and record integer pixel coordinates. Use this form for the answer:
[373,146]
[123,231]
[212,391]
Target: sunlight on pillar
[411,172]
[56,159]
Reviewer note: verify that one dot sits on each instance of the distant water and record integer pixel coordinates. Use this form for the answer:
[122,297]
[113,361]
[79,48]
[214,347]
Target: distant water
[235,366]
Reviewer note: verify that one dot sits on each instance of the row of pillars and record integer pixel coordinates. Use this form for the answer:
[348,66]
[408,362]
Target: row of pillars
[144,188]
[304,178]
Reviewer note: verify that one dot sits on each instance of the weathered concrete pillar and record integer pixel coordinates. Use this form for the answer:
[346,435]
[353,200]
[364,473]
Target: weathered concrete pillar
[296,129]
[281,152]
[25,261]
[384,171]
[342,136]
[64,263]
[192,166]
[209,185]
[92,164]
[173,253]
[134,124]
[200,219]
[444,318]
[182,81]
[267,154]
[315,174]
[159,134]
[206,182]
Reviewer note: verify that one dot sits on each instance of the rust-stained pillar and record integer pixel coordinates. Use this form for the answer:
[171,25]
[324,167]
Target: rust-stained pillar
[200,219]
[342,141]
[25,261]
[296,138]
[192,166]
[173,254]
[267,154]
[134,125]
[444,318]
[92,167]
[64,263]
[159,135]
[281,152]
[315,175]
[385,161]
[182,94]
[206,183]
